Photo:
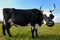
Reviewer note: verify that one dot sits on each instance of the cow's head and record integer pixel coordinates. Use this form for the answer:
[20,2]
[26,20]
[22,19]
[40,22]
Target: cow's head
[48,17]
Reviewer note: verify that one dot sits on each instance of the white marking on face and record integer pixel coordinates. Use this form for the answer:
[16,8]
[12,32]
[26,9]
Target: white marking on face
[47,12]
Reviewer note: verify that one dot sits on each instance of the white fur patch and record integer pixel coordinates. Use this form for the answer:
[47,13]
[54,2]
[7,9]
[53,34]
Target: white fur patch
[9,20]
[36,26]
[4,22]
[44,21]
[32,28]
[47,12]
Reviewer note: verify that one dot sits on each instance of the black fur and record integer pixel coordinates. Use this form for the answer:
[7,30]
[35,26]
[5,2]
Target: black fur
[21,17]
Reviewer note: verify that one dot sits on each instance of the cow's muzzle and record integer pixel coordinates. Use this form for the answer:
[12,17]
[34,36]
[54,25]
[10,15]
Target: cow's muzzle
[50,24]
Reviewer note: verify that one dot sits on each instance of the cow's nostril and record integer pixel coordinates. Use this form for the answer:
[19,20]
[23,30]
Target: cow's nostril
[50,24]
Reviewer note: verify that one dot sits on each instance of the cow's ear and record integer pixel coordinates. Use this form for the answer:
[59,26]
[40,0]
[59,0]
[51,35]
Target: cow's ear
[50,11]
[51,16]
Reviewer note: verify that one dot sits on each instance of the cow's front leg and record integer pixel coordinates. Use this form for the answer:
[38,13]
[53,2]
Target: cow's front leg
[36,33]
[36,28]
[32,30]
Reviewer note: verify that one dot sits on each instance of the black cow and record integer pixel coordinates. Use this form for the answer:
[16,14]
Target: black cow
[25,17]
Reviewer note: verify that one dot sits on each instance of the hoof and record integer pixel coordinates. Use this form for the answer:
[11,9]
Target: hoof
[4,34]
[36,35]
[10,35]
[33,37]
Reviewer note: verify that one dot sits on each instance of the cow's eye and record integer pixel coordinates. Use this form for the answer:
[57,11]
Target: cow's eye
[51,16]
[50,11]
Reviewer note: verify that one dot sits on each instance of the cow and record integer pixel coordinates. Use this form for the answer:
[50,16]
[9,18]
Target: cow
[24,17]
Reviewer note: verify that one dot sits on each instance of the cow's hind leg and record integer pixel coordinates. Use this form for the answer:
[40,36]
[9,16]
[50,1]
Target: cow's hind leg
[8,29]
[3,29]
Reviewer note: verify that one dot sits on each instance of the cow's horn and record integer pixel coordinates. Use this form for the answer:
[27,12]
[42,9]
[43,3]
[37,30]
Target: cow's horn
[53,8]
[40,7]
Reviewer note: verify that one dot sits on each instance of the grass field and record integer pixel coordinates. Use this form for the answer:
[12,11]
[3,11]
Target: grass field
[24,33]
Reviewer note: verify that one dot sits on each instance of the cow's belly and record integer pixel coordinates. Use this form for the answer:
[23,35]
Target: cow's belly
[22,24]
[20,21]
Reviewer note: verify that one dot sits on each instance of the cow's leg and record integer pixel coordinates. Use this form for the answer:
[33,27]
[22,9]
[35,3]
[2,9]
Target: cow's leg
[3,29]
[36,32]
[8,31]
[32,30]
[8,28]
[36,28]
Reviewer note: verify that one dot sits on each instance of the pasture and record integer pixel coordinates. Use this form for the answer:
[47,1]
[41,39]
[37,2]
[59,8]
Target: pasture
[24,33]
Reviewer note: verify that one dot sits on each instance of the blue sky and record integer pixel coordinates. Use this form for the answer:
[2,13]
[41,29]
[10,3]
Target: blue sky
[29,4]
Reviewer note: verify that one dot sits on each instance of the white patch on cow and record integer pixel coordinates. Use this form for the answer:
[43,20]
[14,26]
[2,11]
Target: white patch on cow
[36,26]
[9,20]
[32,28]
[47,12]
[44,21]
[4,22]
[1,15]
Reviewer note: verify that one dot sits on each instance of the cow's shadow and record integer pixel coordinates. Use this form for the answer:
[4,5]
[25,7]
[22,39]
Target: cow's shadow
[48,37]
[40,37]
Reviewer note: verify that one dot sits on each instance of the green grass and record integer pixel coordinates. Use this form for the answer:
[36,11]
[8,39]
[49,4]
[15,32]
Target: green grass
[24,33]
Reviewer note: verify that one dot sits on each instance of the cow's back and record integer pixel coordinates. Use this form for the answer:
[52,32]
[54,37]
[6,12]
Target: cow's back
[23,17]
